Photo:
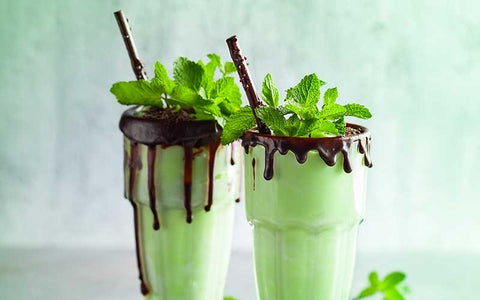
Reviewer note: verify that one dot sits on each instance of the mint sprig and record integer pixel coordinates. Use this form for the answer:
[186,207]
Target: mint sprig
[391,286]
[300,114]
[193,85]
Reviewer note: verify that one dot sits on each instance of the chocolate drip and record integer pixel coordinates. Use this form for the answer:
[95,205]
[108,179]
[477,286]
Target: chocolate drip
[143,285]
[232,154]
[187,181]
[212,150]
[165,133]
[253,170]
[366,151]
[327,148]
[152,193]
[135,164]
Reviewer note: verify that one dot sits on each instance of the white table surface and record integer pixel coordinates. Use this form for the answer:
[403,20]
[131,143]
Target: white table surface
[56,274]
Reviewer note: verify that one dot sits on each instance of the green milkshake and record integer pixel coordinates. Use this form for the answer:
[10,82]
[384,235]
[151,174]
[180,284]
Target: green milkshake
[304,218]
[305,175]
[183,198]
[181,182]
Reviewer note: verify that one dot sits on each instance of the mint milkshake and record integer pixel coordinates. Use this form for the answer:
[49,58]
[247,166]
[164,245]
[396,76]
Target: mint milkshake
[306,201]
[180,182]
[305,209]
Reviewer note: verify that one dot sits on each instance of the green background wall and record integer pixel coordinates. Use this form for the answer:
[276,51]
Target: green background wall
[416,64]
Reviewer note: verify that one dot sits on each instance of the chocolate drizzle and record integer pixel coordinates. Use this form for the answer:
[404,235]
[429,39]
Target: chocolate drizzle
[232,154]
[152,193]
[186,133]
[327,148]
[135,165]
[253,172]
[212,150]
[187,181]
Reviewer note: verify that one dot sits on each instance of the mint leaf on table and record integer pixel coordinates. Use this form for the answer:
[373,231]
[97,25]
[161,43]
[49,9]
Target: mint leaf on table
[269,91]
[391,286]
[139,92]
[236,124]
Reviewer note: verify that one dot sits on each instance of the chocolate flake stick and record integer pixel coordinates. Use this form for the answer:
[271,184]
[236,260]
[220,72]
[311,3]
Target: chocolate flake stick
[137,64]
[239,61]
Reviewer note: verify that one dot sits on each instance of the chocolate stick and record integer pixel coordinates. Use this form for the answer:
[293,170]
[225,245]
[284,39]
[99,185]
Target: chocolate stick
[137,65]
[253,100]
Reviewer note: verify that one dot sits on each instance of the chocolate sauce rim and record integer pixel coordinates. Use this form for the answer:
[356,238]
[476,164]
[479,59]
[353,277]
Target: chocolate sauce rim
[130,113]
[365,133]
[209,131]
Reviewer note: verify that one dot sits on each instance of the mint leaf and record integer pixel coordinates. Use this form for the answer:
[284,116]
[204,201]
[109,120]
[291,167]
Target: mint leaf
[274,119]
[306,127]
[307,91]
[393,294]
[269,91]
[161,78]
[226,88]
[139,92]
[304,112]
[390,286]
[188,73]
[185,96]
[214,63]
[332,111]
[226,95]
[330,96]
[323,128]
[341,125]
[229,68]
[236,125]
[373,278]
[357,110]
[367,292]
[392,280]
[293,125]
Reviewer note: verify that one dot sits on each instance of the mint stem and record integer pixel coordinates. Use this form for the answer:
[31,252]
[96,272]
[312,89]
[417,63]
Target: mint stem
[242,69]
[137,64]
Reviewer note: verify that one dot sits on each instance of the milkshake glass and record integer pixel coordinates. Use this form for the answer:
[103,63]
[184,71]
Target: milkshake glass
[181,184]
[305,205]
